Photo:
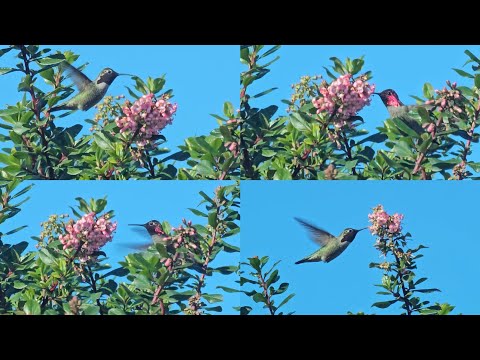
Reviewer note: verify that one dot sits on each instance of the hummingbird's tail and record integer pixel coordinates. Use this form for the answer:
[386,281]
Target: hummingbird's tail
[301,261]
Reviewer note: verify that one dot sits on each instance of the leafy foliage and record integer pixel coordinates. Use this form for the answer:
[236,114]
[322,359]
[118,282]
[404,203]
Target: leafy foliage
[434,142]
[39,148]
[168,278]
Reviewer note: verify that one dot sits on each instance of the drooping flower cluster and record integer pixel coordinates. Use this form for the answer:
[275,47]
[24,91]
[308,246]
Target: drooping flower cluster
[344,98]
[88,234]
[383,224]
[146,118]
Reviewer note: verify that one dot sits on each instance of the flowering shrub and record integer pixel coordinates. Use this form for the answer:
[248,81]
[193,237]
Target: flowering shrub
[322,135]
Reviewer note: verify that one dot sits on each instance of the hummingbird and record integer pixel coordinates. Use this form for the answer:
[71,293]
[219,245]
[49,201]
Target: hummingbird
[397,109]
[155,230]
[90,92]
[331,246]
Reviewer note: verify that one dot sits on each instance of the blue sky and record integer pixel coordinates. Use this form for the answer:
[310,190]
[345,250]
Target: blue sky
[133,203]
[404,68]
[438,214]
[202,79]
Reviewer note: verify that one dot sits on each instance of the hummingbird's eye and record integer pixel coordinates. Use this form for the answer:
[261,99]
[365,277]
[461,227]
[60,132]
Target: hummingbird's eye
[151,223]
[109,71]
[389,93]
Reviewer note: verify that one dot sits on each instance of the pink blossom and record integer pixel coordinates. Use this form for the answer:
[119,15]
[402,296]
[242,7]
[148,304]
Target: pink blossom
[384,224]
[88,234]
[344,98]
[146,118]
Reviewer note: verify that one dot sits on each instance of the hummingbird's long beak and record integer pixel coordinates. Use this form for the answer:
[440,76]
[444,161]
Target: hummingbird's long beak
[126,75]
[377,94]
[362,229]
[143,225]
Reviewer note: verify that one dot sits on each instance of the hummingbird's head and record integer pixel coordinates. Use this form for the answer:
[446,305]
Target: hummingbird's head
[349,234]
[107,76]
[389,98]
[153,227]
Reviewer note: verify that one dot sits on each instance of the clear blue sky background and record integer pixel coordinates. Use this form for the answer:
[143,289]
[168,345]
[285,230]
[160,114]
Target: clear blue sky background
[133,203]
[202,79]
[440,215]
[404,68]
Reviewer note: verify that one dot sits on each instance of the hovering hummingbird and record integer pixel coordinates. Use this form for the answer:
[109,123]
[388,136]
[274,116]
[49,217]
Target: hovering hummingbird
[155,230]
[90,92]
[397,109]
[332,246]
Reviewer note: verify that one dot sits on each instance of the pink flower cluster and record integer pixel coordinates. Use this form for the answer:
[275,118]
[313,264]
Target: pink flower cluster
[383,224]
[146,118]
[89,233]
[344,97]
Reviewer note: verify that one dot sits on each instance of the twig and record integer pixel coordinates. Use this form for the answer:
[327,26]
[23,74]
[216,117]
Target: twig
[404,290]
[159,289]
[94,287]
[51,174]
[348,150]
[265,293]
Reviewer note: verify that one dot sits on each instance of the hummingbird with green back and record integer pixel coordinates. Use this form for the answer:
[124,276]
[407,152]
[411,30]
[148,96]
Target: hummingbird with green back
[156,232]
[89,92]
[397,109]
[331,246]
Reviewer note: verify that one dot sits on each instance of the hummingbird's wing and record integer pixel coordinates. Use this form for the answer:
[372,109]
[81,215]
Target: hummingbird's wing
[137,246]
[319,236]
[79,79]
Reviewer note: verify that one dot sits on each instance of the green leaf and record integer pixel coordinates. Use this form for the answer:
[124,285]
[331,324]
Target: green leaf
[180,156]
[226,289]
[273,278]
[213,298]
[45,256]
[376,138]
[287,299]
[228,109]
[116,272]
[264,92]
[268,153]
[162,250]
[258,297]
[91,310]
[428,90]
[282,174]
[212,218]
[463,73]
[427,291]
[102,141]
[229,248]
[73,171]
[406,128]
[282,288]
[419,281]
[32,307]
[116,311]
[298,122]
[197,212]
[384,304]
[5,70]
[255,263]
[213,308]
[477,81]
[245,310]
[15,230]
